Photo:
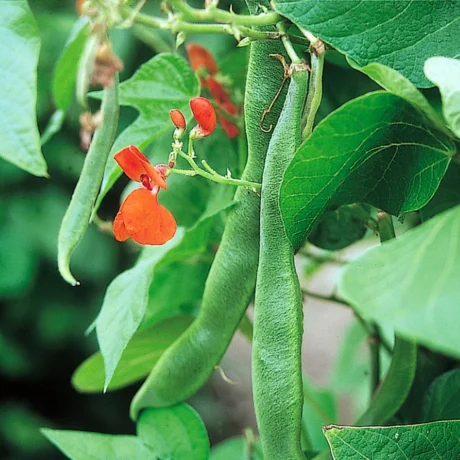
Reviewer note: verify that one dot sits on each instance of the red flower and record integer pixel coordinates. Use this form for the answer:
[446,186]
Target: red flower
[200,58]
[141,217]
[204,114]
[221,96]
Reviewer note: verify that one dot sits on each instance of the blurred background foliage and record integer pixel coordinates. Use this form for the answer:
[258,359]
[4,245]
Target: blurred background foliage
[43,319]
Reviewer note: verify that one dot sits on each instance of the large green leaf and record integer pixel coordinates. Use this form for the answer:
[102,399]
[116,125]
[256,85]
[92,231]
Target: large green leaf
[375,149]
[163,83]
[395,83]
[137,360]
[445,73]
[448,194]
[19,50]
[442,400]
[412,283]
[124,305]
[81,445]
[174,432]
[427,441]
[399,34]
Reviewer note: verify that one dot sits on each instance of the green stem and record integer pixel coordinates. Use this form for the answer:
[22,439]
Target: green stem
[152,39]
[374,346]
[328,298]
[325,258]
[291,52]
[212,13]
[177,25]
[386,228]
[315,94]
[214,176]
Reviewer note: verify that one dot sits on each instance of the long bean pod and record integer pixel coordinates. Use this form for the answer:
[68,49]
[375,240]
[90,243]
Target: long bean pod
[278,317]
[77,216]
[189,362]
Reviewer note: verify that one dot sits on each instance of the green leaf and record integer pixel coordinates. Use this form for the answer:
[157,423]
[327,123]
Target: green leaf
[190,261]
[163,83]
[230,449]
[340,228]
[319,408]
[375,149]
[399,34]
[65,72]
[170,296]
[447,196]
[427,441]
[445,73]
[137,360]
[236,449]
[395,83]
[430,365]
[19,50]
[81,445]
[54,126]
[174,432]
[442,400]
[124,305]
[412,283]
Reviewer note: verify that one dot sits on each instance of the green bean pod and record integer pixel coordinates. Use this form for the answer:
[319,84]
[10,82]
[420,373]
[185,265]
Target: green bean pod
[278,316]
[189,362]
[77,216]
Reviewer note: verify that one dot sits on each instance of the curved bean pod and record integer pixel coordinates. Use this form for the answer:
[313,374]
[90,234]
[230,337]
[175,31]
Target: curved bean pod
[77,216]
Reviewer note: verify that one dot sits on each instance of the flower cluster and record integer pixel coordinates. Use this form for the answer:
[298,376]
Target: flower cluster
[202,62]
[141,216]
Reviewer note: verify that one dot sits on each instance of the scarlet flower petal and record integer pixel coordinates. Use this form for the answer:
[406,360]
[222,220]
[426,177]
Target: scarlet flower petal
[134,163]
[230,129]
[200,57]
[229,107]
[204,114]
[119,228]
[218,92]
[146,221]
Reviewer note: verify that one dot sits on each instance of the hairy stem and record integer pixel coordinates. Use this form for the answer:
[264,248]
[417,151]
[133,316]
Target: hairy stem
[212,13]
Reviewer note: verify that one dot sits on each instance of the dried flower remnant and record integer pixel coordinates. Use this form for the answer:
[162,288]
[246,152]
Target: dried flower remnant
[106,65]
[88,125]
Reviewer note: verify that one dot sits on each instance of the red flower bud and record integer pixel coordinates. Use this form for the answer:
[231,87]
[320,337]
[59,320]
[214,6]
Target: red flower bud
[177,117]
[204,114]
